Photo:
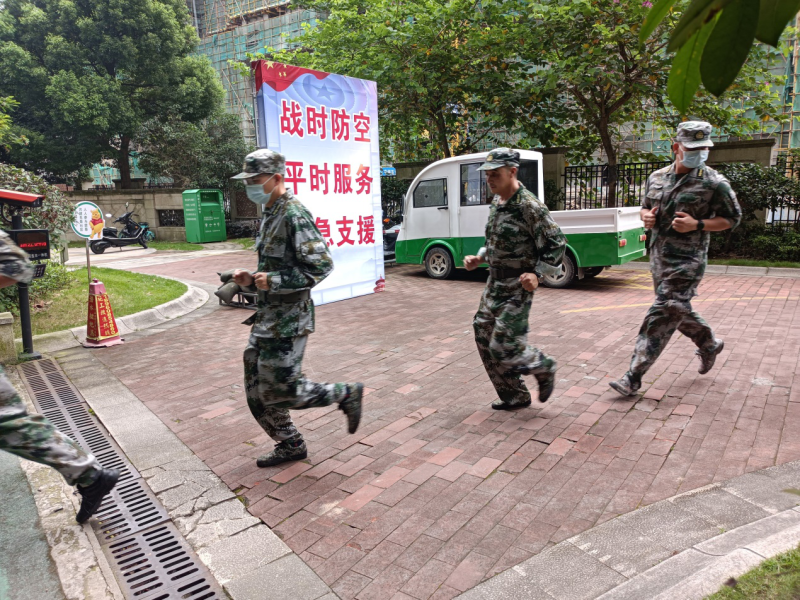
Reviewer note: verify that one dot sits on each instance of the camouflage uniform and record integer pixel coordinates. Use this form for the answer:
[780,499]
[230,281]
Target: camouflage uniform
[678,260]
[520,234]
[293,253]
[32,436]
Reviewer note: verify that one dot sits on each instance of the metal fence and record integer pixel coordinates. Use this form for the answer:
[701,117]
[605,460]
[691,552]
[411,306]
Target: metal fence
[603,186]
[787,215]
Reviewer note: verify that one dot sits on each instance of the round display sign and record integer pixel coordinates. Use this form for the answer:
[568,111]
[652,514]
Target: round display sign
[88,221]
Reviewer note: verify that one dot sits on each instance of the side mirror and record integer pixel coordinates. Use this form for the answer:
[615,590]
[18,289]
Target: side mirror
[126,206]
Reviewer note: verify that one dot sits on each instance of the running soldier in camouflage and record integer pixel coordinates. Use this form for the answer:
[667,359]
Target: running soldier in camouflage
[523,242]
[292,258]
[683,202]
[32,436]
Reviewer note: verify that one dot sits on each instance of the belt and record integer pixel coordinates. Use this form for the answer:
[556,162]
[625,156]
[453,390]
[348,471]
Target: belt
[507,273]
[292,298]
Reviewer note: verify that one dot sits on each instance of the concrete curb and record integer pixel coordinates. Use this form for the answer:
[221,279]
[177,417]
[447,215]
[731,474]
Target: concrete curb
[684,547]
[726,270]
[191,300]
[242,553]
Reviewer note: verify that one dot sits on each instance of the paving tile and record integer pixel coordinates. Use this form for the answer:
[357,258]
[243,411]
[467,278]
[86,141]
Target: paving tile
[542,474]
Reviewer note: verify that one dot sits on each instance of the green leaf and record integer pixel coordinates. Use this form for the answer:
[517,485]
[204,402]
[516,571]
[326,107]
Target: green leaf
[696,15]
[684,76]
[773,19]
[729,44]
[654,17]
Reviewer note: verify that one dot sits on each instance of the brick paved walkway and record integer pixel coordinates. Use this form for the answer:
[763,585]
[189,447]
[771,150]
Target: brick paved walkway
[436,492]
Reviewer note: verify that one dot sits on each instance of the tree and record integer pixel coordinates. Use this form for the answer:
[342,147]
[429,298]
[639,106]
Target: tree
[87,74]
[202,155]
[56,212]
[8,137]
[713,39]
[444,84]
[598,80]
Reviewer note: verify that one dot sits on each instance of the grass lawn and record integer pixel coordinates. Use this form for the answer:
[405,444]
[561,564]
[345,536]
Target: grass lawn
[128,292]
[775,579]
[742,262]
[183,246]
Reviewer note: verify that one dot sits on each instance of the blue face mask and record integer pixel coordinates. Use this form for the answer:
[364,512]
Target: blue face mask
[694,158]
[256,194]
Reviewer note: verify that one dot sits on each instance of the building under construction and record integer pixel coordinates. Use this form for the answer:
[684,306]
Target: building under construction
[229,29]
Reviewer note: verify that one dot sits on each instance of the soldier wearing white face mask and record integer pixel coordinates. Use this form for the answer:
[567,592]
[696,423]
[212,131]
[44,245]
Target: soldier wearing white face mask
[682,204]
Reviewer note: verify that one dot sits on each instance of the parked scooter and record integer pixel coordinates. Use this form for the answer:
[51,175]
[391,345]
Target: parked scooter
[132,233]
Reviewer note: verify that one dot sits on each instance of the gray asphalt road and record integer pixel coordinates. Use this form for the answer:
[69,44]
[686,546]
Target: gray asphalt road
[26,569]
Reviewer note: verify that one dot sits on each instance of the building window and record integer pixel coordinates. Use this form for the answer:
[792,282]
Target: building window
[170,218]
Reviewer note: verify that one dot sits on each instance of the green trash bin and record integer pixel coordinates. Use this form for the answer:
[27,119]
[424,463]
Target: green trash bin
[204,214]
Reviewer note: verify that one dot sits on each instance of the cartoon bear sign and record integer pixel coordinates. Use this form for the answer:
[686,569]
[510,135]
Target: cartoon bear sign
[88,221]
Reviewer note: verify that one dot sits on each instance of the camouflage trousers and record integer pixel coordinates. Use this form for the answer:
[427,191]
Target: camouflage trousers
[671,310]
[274,384]
[501,333]
[33,437]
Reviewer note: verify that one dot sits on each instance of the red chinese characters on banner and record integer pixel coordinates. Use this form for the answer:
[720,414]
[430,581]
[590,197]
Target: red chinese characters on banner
[319,177]
[363,180]
[325,229]
[324,122]
[366,230]
[340,125]
[341,179]
[361,125]
[294,175]
[344,231]
[291,118]
[316,122]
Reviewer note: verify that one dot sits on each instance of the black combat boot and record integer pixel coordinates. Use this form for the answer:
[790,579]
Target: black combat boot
[707,359]
[285,451]
[501,405]
[627,385]
[92,495]
[351,406]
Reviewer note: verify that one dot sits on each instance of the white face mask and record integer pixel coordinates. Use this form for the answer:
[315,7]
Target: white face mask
[694,158]
[256,194]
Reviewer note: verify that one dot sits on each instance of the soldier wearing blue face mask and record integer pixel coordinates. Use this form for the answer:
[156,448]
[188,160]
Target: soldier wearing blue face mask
[292,258]
[683,203]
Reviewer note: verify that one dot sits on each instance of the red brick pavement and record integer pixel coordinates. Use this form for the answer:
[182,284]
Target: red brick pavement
[436,491]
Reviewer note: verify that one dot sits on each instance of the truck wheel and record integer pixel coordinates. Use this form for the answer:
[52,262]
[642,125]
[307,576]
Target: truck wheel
[567,275]
[592,271]
[438,263]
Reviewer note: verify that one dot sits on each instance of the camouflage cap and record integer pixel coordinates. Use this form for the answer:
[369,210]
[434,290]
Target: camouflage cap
[500,157]
[694,134]
[262,161]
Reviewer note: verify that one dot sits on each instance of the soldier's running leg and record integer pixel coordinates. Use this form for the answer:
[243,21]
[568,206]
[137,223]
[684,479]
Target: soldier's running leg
[501,333]
[696,329]
[274,383]
[33,437]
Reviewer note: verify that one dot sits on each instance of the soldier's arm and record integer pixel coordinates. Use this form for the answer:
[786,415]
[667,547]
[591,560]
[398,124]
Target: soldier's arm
[549,239]
[14,264]
[725,205]
[314,262]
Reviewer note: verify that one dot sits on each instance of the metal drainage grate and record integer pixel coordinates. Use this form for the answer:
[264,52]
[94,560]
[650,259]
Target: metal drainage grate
[57,399]
[158,564]
[129,508]
[150,558]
